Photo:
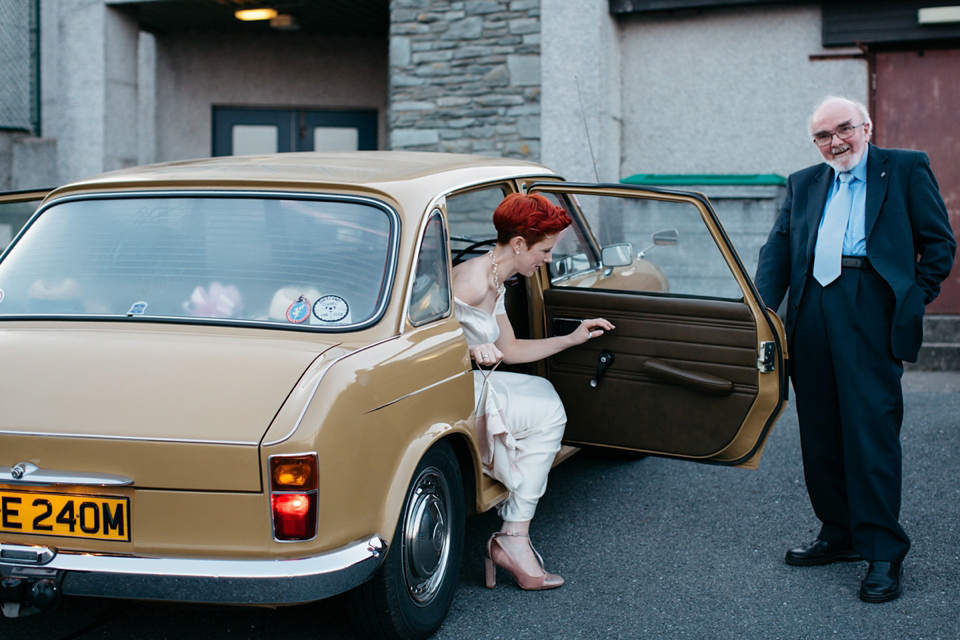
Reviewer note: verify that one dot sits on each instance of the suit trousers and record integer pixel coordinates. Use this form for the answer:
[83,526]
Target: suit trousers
[850,410]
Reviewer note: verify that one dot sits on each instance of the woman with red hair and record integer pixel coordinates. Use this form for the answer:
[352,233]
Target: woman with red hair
[520,418]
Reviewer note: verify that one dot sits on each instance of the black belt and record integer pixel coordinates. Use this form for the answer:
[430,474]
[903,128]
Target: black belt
[855,262]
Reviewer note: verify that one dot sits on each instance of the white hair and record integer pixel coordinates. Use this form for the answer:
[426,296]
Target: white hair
[857,105]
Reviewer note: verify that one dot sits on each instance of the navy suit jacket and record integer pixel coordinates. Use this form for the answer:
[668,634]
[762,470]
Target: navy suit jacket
[910,243]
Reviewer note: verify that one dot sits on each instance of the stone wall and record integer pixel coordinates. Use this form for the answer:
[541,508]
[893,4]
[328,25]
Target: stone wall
[465,76]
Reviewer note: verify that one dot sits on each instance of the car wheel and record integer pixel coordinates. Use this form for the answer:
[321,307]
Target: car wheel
[409,595]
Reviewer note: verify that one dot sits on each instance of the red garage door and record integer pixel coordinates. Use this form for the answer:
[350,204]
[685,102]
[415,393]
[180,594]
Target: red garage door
[916,105]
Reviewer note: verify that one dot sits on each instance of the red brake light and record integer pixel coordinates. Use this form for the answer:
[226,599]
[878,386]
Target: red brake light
[294,516]
[293,497]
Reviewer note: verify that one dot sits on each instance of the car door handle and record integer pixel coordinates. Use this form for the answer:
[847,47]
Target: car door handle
[564,326]
[698,381]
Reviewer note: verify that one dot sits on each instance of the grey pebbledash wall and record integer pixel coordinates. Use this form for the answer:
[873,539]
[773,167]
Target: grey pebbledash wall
[465,76]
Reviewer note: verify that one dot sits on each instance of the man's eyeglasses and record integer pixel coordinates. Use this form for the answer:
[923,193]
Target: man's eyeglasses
[844,131]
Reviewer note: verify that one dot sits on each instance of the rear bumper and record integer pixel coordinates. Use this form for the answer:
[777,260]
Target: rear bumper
[213,581]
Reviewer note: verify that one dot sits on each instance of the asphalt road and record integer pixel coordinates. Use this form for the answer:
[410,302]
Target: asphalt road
[652,548]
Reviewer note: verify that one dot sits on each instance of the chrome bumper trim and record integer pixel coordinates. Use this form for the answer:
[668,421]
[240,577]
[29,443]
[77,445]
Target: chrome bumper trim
[279,581]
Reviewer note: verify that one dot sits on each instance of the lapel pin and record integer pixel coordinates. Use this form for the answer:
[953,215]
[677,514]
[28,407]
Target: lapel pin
[883,174]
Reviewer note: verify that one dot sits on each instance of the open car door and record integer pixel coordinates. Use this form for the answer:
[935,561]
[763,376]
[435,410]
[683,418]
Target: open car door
[696,366]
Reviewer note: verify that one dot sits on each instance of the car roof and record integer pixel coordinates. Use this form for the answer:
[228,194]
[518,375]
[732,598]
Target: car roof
[393,173]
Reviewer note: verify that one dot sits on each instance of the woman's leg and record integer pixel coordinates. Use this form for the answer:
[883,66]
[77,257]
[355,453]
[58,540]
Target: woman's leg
[536,451]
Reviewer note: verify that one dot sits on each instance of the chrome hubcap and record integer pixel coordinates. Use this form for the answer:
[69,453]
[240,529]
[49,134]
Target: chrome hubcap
[426,536]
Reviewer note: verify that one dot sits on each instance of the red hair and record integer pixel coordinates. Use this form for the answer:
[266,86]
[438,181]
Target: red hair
[530,216]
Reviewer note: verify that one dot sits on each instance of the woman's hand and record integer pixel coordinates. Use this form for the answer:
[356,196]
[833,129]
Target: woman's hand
[486,354]
[592,328]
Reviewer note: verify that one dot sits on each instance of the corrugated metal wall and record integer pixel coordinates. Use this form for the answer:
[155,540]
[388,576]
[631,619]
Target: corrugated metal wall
[18,65]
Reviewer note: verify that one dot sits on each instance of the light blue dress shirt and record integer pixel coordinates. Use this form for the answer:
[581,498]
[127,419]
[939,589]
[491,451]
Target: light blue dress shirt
[855,238]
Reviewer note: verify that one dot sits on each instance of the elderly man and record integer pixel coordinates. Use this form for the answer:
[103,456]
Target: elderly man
[862,243]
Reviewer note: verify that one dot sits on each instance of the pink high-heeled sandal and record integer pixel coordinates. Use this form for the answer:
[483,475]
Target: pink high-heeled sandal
[497,556]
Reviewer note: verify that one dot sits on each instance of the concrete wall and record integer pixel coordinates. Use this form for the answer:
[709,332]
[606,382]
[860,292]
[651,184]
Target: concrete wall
[727,91]
[28,161]
[196,71]
[581,132]
[95,118]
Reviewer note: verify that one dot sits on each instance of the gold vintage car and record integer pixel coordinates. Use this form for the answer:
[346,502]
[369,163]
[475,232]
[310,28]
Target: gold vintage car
[240,381]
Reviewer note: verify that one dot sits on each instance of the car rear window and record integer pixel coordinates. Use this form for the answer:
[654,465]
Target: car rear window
[310,263]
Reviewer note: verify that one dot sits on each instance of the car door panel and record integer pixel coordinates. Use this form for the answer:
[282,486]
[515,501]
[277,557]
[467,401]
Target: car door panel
[695,367]
[657,341]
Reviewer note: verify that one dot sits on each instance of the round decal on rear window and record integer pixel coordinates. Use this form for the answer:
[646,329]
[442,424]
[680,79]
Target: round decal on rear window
[331,309]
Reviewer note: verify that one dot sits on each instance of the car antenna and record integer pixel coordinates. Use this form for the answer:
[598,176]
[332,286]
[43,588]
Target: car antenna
[583,114]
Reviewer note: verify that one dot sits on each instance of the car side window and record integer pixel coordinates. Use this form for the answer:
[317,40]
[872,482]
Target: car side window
[430,298]
[573,255]
[671,248]
[471,219]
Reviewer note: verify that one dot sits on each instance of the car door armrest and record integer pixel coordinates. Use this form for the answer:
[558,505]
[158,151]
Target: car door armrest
[703,382]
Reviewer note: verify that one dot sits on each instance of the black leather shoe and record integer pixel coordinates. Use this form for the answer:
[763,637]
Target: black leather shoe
[882,583]
[819,552]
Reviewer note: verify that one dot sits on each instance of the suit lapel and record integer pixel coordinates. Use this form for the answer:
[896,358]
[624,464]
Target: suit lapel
[877,179]
[816,201]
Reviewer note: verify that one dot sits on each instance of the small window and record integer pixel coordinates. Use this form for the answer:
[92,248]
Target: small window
[430,298]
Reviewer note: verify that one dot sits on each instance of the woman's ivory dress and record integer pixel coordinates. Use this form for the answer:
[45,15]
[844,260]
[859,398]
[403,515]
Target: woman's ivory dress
[520,420]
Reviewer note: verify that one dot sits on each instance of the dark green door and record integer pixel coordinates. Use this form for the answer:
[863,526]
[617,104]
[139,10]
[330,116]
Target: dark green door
[241,131]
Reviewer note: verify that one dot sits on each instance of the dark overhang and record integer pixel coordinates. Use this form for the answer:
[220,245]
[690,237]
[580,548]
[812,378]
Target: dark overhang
[847,22]
[648,6]
[323,17]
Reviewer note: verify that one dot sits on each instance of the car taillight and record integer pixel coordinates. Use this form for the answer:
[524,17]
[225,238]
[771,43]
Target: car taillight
[293,496]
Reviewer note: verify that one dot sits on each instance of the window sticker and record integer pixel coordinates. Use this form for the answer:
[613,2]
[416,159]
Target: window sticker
[299,311]
[330,309]
[138,308]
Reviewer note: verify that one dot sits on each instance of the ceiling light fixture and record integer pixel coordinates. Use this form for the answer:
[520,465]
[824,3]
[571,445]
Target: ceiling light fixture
[938,15]
[255,14]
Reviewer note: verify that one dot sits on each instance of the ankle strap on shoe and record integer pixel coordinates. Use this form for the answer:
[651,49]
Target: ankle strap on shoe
[512,534]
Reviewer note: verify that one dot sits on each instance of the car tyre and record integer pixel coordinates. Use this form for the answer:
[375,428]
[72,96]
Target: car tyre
[410,594]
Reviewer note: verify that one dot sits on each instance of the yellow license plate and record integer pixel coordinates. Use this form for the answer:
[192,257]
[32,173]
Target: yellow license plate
[65,514]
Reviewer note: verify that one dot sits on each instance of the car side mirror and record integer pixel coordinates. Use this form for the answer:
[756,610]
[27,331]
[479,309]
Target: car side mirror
[666,238]
[617,255]
[662,238]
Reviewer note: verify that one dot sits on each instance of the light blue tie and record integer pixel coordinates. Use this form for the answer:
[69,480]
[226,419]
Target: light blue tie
[826,258]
